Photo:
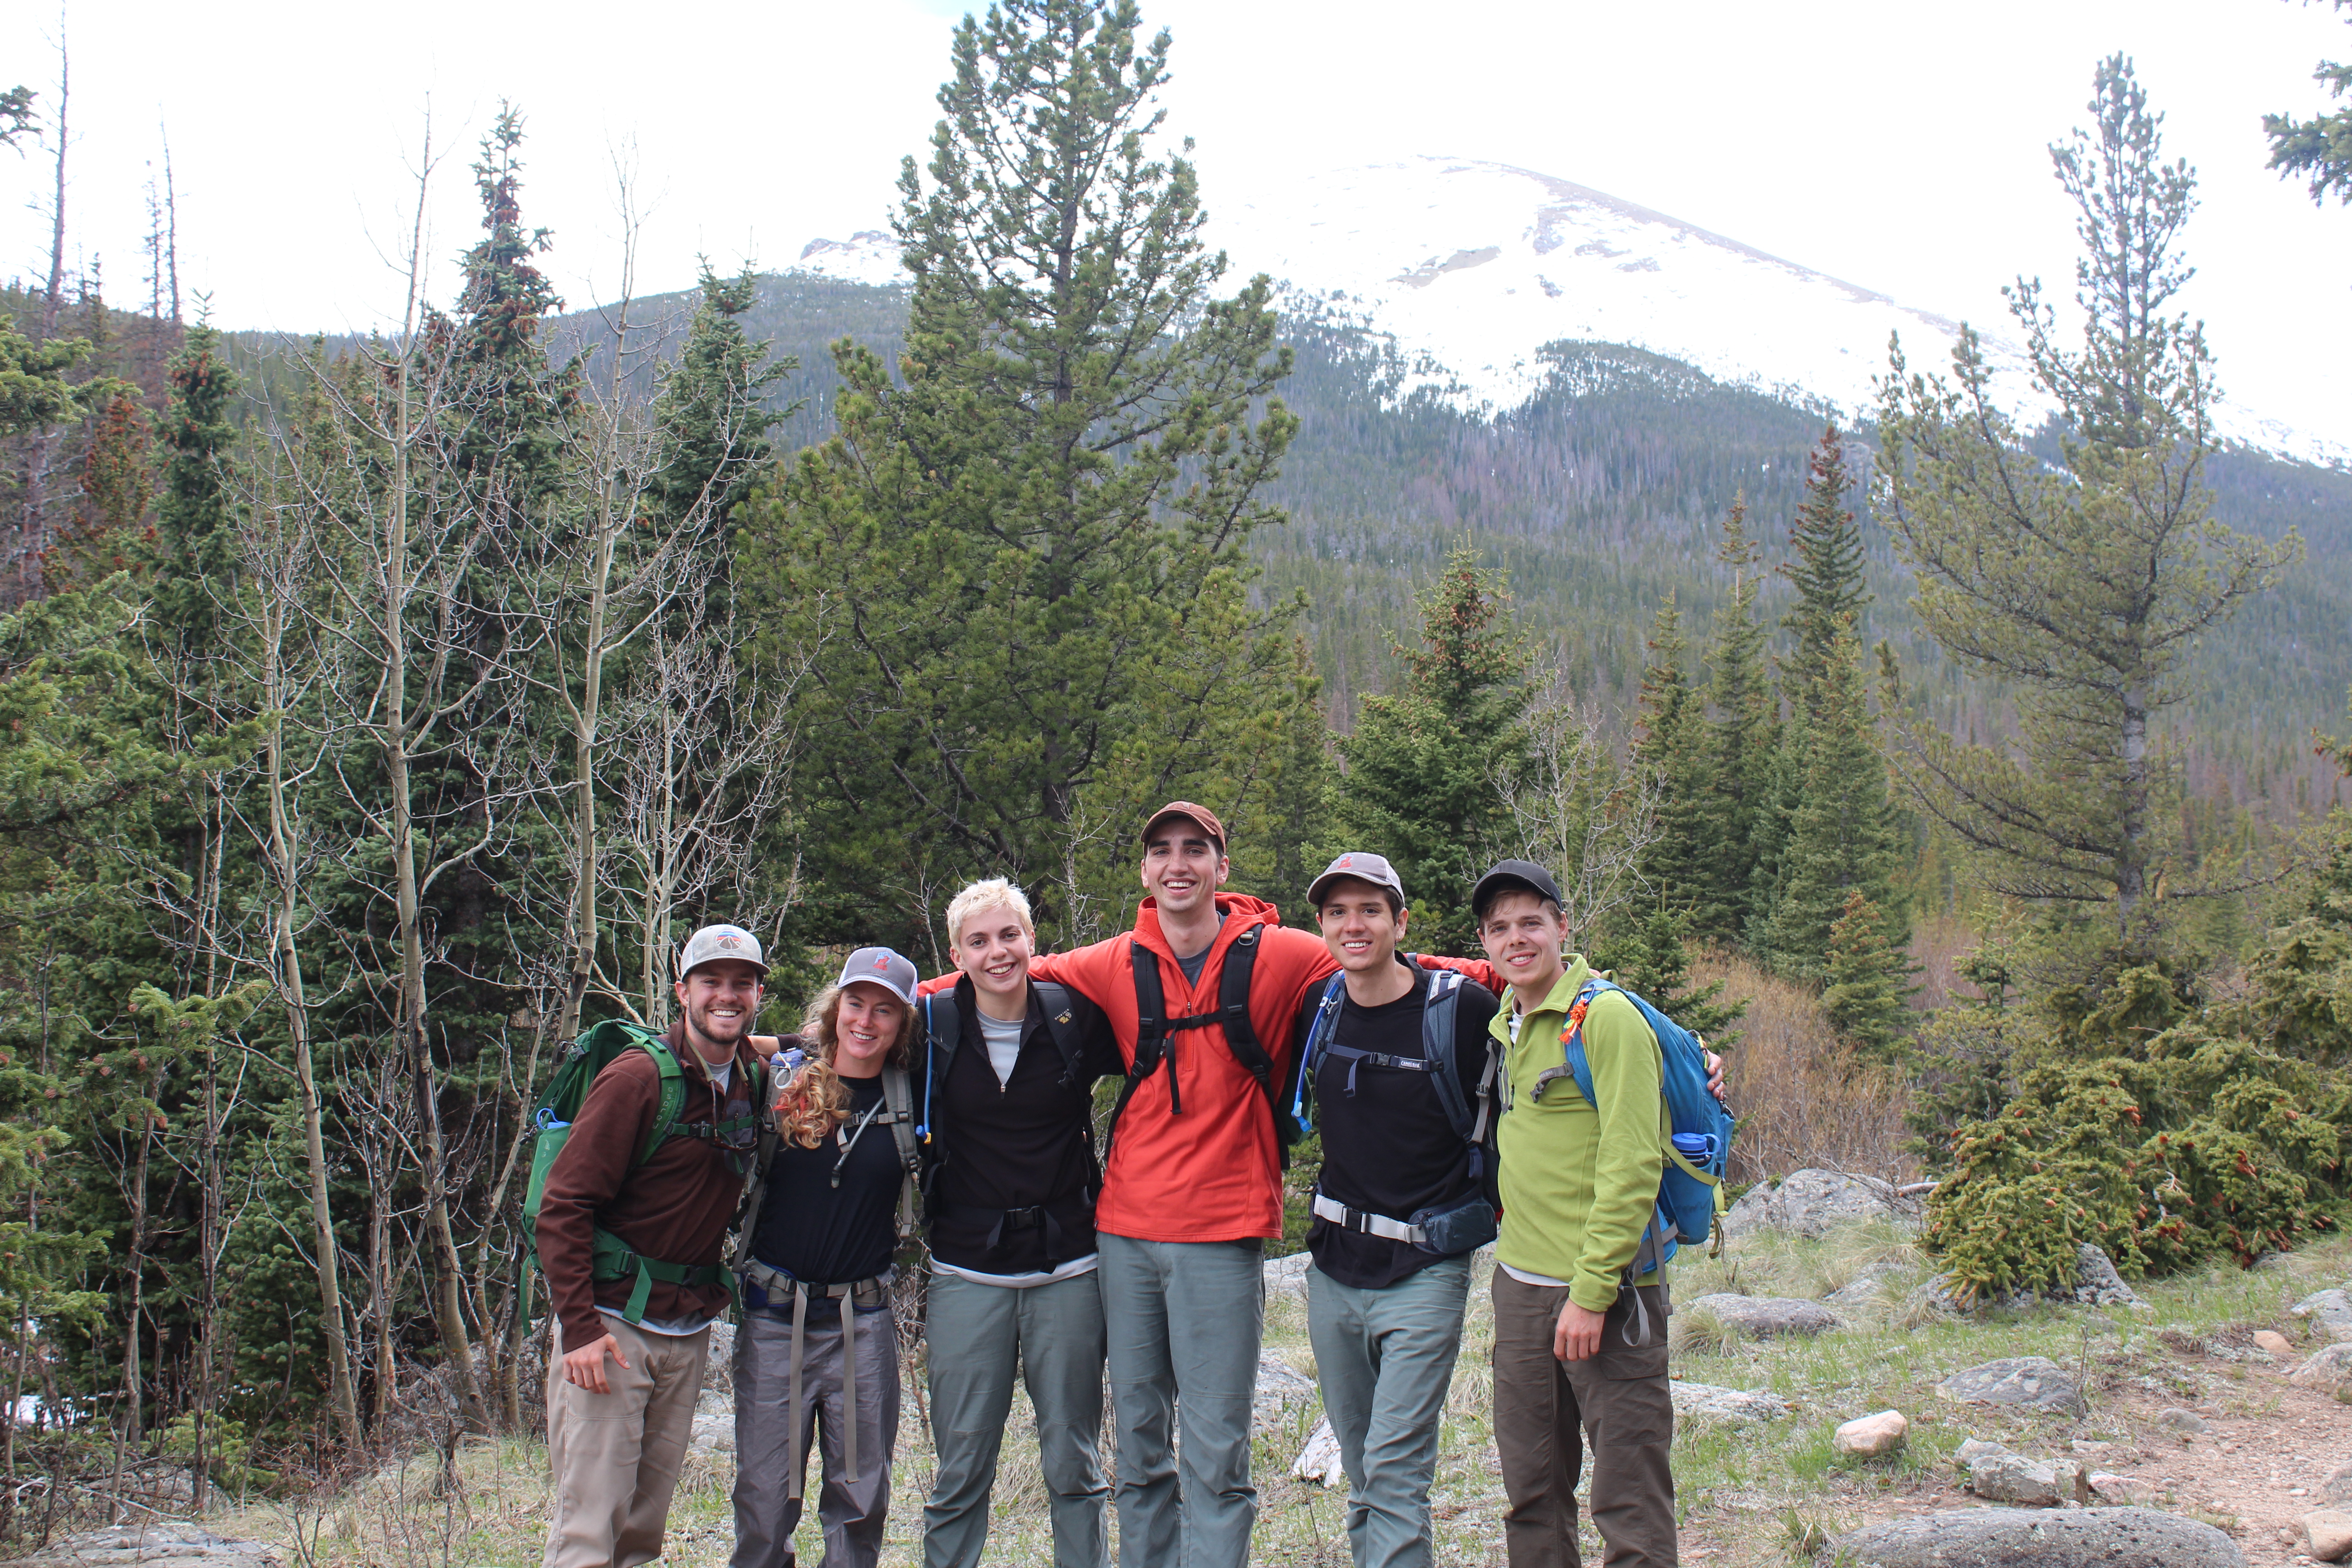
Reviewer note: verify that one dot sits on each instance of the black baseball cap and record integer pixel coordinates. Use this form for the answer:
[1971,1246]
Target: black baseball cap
[1505,874]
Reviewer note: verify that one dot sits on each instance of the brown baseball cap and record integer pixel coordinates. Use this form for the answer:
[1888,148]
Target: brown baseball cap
[1185,808]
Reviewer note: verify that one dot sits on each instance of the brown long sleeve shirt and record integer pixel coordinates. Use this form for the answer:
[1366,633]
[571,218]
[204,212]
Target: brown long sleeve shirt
[674,1207]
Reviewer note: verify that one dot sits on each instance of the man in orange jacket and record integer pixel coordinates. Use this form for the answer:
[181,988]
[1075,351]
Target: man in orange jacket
[1193,1187]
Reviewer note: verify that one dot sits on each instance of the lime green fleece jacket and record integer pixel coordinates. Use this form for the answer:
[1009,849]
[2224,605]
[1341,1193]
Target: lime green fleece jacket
[1579,1182]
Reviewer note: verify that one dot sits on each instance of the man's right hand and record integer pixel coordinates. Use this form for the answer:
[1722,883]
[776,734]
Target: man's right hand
[584,1368]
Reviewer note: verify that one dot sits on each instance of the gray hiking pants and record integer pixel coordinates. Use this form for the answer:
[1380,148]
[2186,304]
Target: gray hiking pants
[851,1510]
[1185,1319]
[1385,1359]
[979,1334]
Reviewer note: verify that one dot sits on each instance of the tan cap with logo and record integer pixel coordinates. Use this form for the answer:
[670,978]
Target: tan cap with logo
[712,944]
[1363,867]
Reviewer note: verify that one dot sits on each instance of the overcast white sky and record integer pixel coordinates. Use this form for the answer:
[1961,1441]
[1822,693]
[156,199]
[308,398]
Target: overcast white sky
[1895,144]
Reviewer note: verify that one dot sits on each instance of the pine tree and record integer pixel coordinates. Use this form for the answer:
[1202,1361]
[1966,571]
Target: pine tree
[193,554]
[1841,838]
[1667,746]
[1827,570]
[1423,762]
[1651,957]
[1739,745]
[2084,586]
[1867,981]
[712,410]
[1021,571]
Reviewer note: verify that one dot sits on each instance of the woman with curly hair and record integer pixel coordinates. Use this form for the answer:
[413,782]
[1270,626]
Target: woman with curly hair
[818,1350]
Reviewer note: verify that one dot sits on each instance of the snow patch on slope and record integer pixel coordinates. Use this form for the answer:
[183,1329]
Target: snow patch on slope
[1469,268]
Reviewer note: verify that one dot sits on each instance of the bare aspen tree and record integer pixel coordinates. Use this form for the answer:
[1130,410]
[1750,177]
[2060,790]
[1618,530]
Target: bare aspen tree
[1573,807]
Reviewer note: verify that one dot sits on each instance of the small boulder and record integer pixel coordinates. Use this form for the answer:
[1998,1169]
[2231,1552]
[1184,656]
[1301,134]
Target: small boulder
[2035,1382]
[2188,1423]
[713,1432]
[2271,1340]
[2003,1476]
[1319,1459]
[2337,1487]
[2329,1533]
[2120,1491]
[1870,1436]
[2330,1311]
[2016,1538]
[1811,1202]
[1280,1391]
[1287,1275]
[1768,1317]
[2325,1368]
[2096,1283]
[1733,1405]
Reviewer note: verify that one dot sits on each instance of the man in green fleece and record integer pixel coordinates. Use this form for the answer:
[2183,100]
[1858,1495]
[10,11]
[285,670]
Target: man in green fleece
[1580,1351]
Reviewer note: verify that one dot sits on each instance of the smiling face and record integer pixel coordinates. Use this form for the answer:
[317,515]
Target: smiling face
[1182,866]
[719,1000]
[1522,933]
[994,947]
[869,1024]
[1361,925]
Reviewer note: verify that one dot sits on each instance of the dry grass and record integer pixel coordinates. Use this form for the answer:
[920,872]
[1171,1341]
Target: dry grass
[1801,1098]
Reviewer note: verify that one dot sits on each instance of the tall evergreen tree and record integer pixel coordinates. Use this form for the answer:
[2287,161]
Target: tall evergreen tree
[1669,743]
[193,555]
[1827,569]
[1021,573]
[1650,957]
[1841,838]
[712,411]
[1739,740]
[1867,981]
[2085,585]
[1423,762]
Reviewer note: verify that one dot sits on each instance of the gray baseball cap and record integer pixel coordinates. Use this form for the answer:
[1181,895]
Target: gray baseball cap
[1363,867]
[712,944]
[881,966]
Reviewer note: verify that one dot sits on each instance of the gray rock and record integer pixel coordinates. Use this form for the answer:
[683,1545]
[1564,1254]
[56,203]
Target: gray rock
[2188,1423]
[2327,1368]
[1281,1392]
[2096,1283]
[2004,1477]
[713,1432]
[162,1542]
[718,1371]
[2330,1311]
[2019,1538]
[1287,1275]
[2337,1487]
[1810,1202]
[1763,1317]
[2034,1382]
[1733,1405]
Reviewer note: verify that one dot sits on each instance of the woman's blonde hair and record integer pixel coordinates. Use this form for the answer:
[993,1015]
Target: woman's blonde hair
[996,893]
[818,1101]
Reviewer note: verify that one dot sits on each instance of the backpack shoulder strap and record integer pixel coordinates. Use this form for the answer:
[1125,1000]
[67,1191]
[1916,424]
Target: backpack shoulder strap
[899,1099]
[1573,1062]
[673,1090]
[1437,1046]
[1232,1009]
[1318,1036]
[1062,1023]
[942,1033]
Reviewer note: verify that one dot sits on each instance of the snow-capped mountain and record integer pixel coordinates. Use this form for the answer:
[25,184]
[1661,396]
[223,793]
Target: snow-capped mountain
[1473,267]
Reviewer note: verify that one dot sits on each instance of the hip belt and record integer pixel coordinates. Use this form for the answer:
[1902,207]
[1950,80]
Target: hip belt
[855,1298]
[1367,1223]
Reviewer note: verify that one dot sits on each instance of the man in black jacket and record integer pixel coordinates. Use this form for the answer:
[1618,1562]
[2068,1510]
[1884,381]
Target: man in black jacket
[1402,1200]
[1004,1094]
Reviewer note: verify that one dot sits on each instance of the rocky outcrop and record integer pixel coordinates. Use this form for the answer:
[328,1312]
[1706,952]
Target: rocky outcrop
[1282,1395]
[2033,1382]
[1733,1405]
[2020,1538]
[1813,1203]
[2330,1367]
[1996,1475]
[1766,1317]
[2329,1311]
[160,1542]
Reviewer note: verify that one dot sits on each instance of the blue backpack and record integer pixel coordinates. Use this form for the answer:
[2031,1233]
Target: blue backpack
[1699,1149]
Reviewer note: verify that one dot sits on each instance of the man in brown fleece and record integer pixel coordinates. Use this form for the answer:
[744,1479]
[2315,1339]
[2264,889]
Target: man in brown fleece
[620,1388]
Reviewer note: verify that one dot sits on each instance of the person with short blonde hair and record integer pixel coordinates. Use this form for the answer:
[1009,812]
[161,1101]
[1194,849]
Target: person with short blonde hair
[1005,1085]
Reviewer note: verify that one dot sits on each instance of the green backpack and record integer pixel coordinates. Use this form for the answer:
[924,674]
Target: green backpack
[551,1129]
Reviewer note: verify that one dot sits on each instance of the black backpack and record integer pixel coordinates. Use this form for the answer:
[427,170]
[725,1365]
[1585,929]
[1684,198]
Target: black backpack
[1474,1124]
[1154,1029]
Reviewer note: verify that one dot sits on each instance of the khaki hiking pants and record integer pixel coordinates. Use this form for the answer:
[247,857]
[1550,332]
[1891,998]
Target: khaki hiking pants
[617,1455]
[1548,1411]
